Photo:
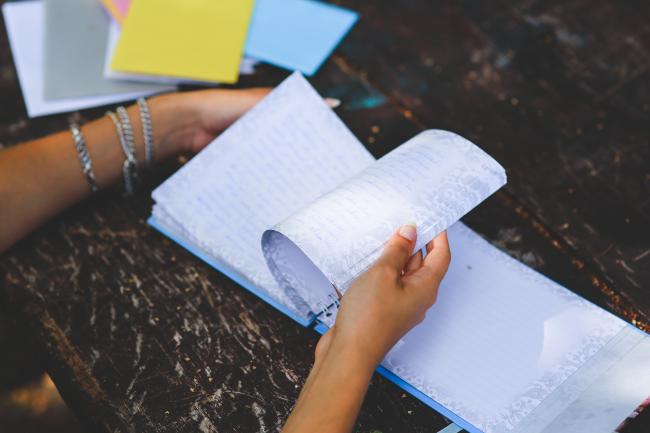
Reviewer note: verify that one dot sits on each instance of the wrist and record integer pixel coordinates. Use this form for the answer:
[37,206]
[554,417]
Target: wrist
[370,335]
[351,352]
[173,121]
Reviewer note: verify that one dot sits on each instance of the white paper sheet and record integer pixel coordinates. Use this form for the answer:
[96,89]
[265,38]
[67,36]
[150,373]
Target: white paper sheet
[287,151]
[24,23]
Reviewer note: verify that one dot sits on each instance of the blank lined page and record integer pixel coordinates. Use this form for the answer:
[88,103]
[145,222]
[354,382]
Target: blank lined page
[287,151]
[500,338]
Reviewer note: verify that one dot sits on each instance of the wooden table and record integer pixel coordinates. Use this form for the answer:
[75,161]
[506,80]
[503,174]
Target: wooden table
[140,336]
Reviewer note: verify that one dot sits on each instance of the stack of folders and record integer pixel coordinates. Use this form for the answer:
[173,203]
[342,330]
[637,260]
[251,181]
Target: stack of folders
[74,54]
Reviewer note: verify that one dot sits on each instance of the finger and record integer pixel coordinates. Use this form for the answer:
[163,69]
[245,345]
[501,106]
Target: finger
[332,102]
[398,249]
[427,279]
[414,263]
[437,260]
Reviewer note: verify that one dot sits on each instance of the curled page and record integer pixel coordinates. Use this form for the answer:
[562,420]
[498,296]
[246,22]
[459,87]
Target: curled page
[432,180]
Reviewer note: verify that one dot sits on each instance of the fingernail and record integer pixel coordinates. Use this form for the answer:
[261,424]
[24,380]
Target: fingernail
[333,102]
[409,232]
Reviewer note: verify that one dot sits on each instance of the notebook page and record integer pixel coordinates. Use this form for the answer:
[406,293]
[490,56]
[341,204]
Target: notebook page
[500,338]
[432,180]
[284,153]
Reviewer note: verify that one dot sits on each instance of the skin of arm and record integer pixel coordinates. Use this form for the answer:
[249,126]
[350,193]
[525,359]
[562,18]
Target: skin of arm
[40,178]
[380,307]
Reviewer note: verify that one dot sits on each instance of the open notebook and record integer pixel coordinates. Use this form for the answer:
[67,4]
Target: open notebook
[287,202]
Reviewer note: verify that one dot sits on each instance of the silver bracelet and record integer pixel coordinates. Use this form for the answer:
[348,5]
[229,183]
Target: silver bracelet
[84,157]
[130,166]
[147,131]
[127,129]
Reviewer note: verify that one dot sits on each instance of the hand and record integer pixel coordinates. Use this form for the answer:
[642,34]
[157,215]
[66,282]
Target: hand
[380,307]
[389,299]
[187,122]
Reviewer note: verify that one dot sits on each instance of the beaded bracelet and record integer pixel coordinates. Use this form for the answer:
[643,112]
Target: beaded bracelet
[84,157]
[130,166]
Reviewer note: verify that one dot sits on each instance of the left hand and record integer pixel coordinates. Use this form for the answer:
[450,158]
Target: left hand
[187,122]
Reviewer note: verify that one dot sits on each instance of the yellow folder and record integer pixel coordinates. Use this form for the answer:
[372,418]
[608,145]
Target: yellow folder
[199,40]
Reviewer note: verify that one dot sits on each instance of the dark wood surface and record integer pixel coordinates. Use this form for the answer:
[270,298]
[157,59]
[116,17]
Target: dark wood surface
[139,335]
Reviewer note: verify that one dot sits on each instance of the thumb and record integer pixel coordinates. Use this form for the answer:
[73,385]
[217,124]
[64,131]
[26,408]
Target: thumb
[399,248]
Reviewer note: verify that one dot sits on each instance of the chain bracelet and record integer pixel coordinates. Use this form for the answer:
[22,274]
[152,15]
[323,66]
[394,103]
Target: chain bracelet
[84,157]
[127,129]
[130,166]
[147,131]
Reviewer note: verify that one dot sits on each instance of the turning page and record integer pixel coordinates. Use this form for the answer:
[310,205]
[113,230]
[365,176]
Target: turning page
[432,180]
[283,154]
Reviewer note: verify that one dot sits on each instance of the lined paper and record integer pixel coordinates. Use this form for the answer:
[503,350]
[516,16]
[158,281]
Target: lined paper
[287,151]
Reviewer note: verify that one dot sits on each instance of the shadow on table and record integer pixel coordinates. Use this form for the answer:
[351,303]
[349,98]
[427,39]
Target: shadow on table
[36,407]
[29,401]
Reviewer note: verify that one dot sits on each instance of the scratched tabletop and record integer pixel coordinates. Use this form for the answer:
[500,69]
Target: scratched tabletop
[141,336]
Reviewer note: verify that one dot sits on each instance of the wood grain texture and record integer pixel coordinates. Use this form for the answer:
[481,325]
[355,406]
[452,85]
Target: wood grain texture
[557,91]
[139,335]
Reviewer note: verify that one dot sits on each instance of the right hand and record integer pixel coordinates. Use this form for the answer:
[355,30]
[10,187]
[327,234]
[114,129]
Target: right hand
[389,299]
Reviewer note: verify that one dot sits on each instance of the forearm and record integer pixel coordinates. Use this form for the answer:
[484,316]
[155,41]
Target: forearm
[333,393]
[41,178]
